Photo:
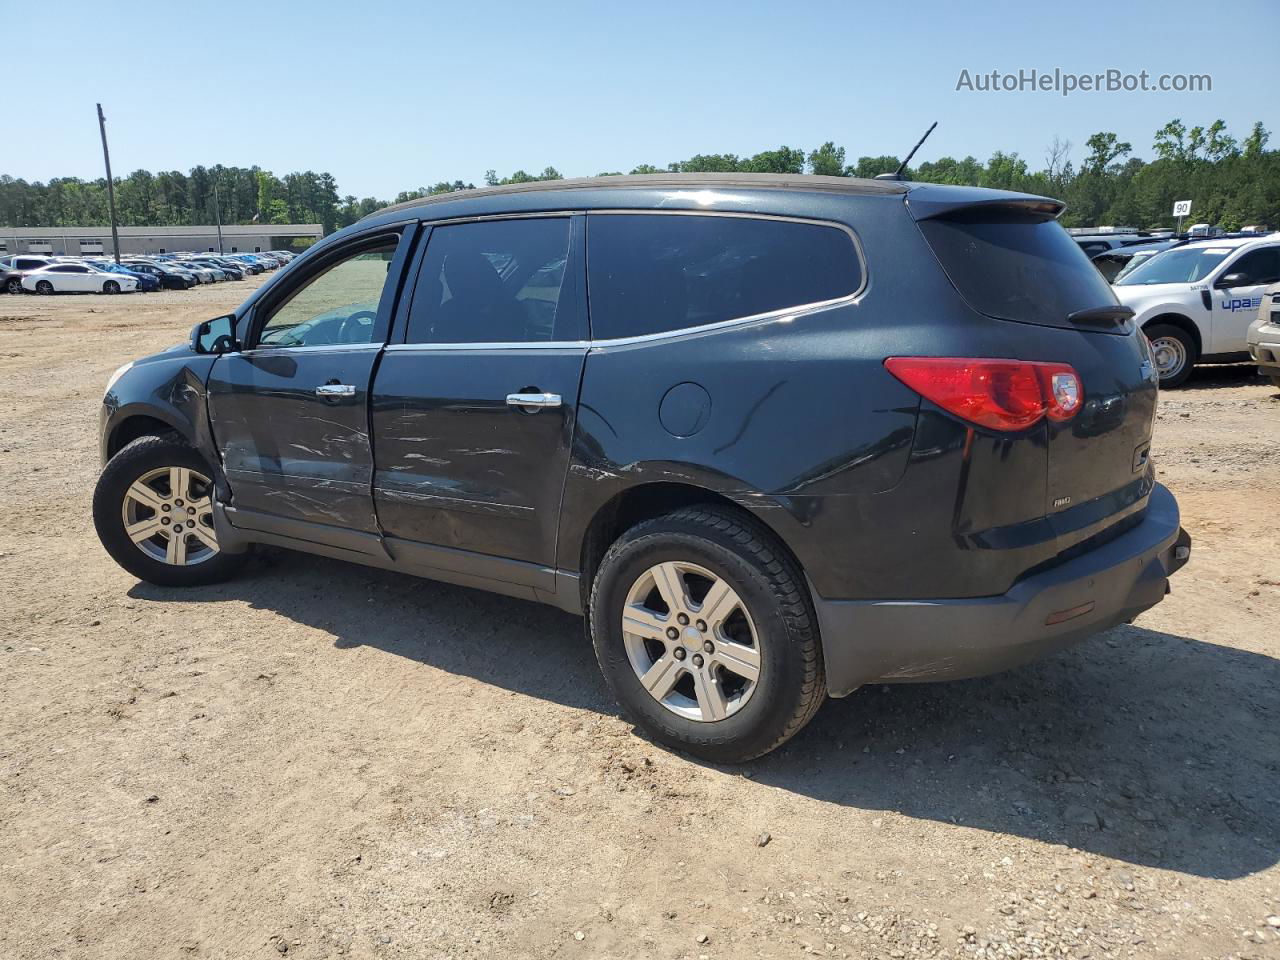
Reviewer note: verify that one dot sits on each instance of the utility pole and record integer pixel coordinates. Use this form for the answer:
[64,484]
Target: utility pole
[217,212]
[111,187]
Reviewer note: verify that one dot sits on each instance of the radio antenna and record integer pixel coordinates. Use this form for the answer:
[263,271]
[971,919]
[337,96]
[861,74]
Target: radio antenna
[897,174]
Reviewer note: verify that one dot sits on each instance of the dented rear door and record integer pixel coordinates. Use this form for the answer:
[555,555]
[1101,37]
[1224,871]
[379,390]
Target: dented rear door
[496,314]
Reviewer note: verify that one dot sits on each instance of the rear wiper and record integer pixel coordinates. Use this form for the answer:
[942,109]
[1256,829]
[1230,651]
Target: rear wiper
[1113,312]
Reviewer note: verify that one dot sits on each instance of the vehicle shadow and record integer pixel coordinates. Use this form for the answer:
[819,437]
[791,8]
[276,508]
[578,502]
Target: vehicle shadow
[1143,746]
[1217,376]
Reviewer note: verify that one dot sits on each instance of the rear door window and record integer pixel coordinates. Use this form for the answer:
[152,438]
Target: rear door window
[1016,265]
[495,281]
[652,273]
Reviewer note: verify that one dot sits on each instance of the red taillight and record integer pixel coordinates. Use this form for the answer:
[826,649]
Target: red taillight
[997,394]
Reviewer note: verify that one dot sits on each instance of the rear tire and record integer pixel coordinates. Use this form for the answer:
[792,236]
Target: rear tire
[727,688]
[1175,352]
[136,507]
[14,285]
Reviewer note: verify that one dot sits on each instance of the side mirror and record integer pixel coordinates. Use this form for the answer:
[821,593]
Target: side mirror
[1232,280]
[215,336]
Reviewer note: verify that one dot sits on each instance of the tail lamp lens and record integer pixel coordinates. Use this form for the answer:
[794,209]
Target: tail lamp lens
[1063,393]
[1003,395]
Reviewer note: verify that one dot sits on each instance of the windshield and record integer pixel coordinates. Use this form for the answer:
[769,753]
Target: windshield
[1180,265]
[1137,260]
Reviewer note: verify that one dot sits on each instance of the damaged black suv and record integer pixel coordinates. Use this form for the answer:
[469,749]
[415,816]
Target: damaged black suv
[776,437]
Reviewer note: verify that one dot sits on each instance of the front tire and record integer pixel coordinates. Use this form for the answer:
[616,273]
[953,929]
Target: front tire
[706,634]
[152,509]
[44,287]
[111,287]
[1174,351]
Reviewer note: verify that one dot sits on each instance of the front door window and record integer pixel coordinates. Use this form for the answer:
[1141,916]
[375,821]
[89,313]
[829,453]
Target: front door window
[338,306]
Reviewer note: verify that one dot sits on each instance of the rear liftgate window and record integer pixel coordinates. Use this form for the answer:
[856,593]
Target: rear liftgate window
[1016,265]
[650,273]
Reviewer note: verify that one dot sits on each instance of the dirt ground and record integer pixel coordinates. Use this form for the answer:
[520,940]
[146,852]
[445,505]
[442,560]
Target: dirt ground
[323,760]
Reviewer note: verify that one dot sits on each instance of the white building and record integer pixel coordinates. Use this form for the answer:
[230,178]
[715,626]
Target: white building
[76,241]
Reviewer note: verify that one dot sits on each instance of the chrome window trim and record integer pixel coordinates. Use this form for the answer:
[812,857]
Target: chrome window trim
[786,312]
[491,345]
[314,348]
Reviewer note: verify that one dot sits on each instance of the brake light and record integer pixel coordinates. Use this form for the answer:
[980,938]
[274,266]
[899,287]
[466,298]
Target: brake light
[998,394]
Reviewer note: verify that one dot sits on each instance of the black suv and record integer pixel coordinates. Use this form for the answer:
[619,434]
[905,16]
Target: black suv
[774,436]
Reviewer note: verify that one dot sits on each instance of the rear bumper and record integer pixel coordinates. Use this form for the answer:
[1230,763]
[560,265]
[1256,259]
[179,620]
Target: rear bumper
[909,641]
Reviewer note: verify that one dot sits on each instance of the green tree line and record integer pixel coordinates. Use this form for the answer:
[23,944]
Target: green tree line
[1232,182]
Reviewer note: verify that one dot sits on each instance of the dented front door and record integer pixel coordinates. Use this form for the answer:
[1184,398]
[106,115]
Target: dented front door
[292,427]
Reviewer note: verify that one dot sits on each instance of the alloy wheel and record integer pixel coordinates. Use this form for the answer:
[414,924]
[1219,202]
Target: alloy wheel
[691,641]
[168,514]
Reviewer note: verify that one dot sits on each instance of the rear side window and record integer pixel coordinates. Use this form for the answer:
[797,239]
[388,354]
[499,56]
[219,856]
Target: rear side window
[496,281]
[650,273]
[1016,266]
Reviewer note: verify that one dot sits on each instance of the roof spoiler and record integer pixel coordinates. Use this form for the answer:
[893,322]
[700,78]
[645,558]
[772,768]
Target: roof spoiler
[930,203]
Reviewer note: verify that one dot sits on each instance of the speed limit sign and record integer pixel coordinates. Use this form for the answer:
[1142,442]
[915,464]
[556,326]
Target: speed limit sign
[1182,208]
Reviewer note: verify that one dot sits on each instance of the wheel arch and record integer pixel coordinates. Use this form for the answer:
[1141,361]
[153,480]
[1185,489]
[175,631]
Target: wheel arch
[1182,322]
[134,426]
[649,499]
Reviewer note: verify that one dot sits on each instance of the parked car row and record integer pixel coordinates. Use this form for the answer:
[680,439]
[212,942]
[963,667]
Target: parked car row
[38,273]
[1196,299]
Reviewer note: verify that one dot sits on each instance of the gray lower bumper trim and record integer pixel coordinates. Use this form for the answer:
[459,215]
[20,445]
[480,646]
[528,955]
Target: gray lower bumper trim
[905,641]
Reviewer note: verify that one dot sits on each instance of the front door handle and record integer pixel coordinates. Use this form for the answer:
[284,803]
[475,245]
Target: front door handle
[533,401]
[335,390]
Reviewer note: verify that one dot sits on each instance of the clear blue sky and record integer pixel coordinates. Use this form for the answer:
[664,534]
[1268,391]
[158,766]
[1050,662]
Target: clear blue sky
[389,96]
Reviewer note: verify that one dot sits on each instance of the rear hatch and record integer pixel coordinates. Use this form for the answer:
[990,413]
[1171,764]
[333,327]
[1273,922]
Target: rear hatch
[1012,261]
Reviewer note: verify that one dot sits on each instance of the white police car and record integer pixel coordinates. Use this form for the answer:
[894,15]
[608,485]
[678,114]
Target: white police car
[1195,301]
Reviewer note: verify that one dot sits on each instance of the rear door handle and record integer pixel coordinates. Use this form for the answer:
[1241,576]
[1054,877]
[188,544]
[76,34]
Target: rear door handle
[335,390]
[533,401]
